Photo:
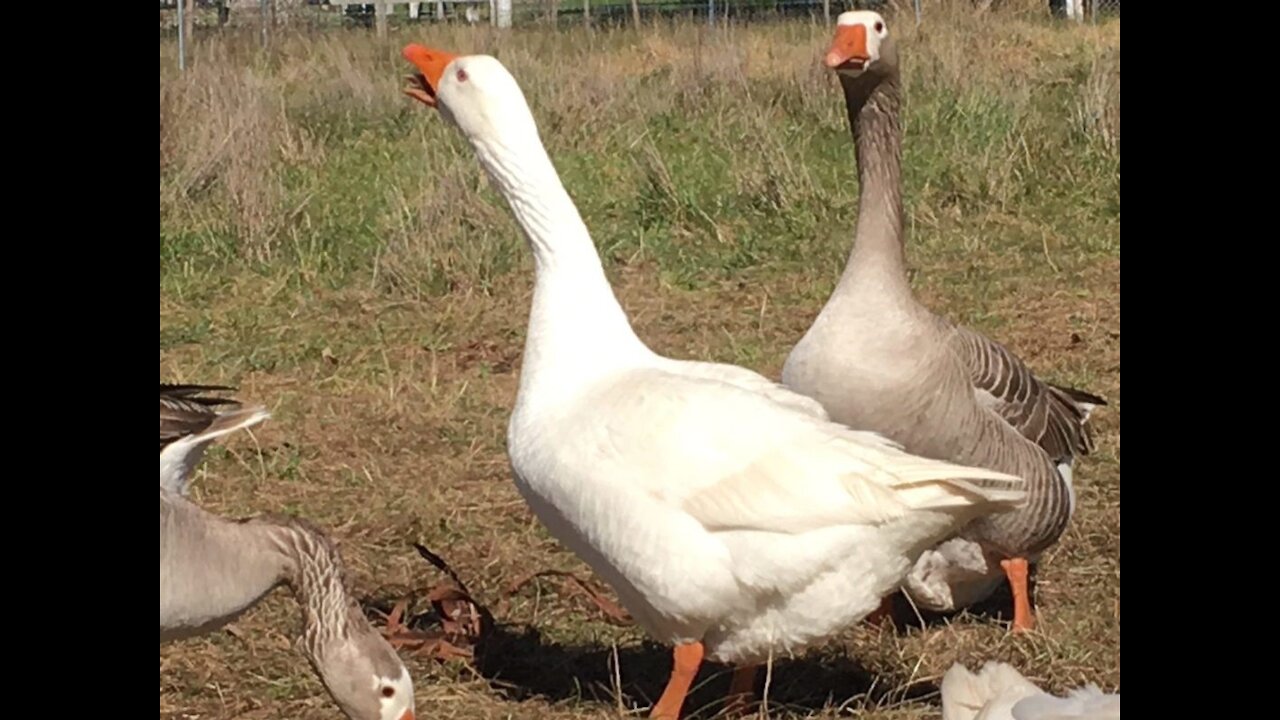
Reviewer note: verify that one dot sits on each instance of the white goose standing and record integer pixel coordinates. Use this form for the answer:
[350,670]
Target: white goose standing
[213,569]
[878,359]
[731,517]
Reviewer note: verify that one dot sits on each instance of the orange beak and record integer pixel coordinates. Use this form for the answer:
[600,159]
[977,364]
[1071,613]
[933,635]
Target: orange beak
[849,48]
[408,715]
[423,85]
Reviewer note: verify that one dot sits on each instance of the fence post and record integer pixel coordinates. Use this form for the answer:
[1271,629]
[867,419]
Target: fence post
[189,23]
[504,13]
[586,13]
[917,4]
[182,35]
[380,18]
[711,13]
[264,20]
[635,13]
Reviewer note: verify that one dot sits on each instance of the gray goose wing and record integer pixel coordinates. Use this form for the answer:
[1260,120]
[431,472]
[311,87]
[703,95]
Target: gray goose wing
[187,409]
[1054,417]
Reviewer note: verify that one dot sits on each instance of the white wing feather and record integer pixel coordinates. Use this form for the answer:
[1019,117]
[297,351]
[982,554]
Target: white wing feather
[736,460]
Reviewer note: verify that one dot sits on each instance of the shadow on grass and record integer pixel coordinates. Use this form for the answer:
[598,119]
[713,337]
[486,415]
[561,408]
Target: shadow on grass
[519,661]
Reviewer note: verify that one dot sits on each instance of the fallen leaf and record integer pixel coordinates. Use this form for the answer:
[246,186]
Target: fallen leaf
[452,628]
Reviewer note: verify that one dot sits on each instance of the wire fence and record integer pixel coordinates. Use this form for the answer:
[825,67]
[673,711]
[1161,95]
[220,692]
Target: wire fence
[181,17]
[1085,10]
[521,12]
[1104,8]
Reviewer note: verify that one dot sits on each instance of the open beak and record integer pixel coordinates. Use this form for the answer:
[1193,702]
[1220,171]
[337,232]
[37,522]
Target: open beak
[423,85]
[849,48]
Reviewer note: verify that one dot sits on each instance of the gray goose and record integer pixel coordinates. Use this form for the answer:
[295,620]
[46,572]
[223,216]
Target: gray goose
[878,360]
[213,569]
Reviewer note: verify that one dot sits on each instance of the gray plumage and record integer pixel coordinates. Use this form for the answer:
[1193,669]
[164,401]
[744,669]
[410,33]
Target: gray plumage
[213,569]
[1052,416]
[878,360]
[188,409]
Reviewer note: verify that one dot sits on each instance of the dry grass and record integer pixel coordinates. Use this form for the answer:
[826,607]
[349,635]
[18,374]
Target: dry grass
[336,253]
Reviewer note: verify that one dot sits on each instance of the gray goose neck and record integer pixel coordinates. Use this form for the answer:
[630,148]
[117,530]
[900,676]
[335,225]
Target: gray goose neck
[874,106]
[314,571]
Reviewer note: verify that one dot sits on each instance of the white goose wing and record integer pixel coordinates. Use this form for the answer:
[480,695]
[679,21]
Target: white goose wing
[752,382]
[737,460]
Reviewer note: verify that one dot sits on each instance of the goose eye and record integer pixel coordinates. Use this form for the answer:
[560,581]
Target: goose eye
[389,692]
[462,76]
[879,27]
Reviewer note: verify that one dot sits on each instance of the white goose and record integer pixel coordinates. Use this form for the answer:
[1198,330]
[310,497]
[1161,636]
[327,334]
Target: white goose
[213,569]
[733,520]
[999,692]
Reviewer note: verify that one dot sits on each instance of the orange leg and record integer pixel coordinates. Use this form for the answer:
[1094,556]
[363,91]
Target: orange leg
[882,613]
[742,690]
[1016,570]
[688,658]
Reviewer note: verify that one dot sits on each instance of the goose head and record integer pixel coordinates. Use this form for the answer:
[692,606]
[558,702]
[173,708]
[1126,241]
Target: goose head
[363,673]
[474,92]
[862,46]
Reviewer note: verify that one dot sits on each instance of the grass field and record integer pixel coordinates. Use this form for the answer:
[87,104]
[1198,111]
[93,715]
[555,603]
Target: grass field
[336,252]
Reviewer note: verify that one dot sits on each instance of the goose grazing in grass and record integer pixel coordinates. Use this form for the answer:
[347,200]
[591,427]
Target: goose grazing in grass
[999,692]
[733,519]
[877,359]
[213,569]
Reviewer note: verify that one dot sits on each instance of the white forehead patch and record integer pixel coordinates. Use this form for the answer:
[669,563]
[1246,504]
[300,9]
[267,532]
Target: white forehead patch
[402,680]
[859,17]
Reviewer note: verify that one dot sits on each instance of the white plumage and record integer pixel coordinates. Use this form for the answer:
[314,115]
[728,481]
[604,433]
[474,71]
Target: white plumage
[723,508]
[999,692]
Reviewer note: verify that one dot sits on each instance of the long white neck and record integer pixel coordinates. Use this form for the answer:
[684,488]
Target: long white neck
[577,329]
